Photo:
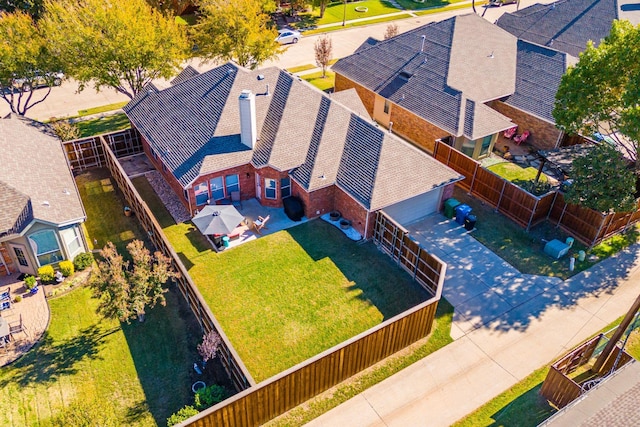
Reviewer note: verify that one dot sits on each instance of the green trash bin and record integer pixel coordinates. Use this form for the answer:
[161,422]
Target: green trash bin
[450,207]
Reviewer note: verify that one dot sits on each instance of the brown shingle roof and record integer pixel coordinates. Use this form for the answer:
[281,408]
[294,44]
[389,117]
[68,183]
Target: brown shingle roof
[34,164]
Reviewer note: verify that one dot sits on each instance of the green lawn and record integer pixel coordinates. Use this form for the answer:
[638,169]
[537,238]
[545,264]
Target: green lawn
[512,172]
[104,206]
[335,12]
[102,108]
[356,24]
[412,4]
[290,295]
[524,250]
[322,83]
[134,375]
[103,125]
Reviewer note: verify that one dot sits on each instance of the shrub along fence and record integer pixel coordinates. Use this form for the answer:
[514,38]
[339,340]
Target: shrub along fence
[259,403]
[527,210]
[228,356]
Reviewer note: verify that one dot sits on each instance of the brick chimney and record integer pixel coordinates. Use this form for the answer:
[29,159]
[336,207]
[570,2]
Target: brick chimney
[248,130]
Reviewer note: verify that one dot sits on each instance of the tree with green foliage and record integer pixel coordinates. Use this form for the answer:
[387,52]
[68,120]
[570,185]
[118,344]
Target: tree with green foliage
[25,58]
[122,44]
[184,413]
[322,5]
[174,7]
[30,7]
[126,291]
[603,181]
[599,94]
[239,30]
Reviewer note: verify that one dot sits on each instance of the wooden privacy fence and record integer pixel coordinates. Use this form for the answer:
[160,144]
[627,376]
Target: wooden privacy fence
[87,153]
[257,404]
[512,201]
[588,226]
[425,268]
[561,390]
[230,360]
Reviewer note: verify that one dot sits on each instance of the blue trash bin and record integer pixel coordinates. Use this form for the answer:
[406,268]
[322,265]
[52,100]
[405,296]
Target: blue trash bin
[461,213]
[225,241]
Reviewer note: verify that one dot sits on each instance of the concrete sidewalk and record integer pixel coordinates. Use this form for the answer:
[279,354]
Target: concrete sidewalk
[502,345]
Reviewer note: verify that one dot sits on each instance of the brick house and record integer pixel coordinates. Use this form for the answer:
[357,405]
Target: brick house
[268,135]
[462,80]
[41,215]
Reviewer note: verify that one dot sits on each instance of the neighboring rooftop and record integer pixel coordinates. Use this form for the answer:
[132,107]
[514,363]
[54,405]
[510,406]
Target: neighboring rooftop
[538,74]
[34,178]
[194,126]
[612,403]
[434,69]
[565,25]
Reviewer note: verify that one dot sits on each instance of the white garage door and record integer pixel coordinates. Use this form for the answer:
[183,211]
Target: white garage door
[415,208]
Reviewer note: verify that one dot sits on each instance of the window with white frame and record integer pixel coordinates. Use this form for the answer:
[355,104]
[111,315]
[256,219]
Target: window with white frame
[217,189]
[202,194]
[46,247]
[232,183]
[71,237]
[285,187]
[270,188]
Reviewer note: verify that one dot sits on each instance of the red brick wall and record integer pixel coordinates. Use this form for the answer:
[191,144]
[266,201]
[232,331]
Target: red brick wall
[321,200]
[168,176]
[367,97]
[268,172]
[406,124]
[246,178]
[354,212]
[4,253]
[544,135]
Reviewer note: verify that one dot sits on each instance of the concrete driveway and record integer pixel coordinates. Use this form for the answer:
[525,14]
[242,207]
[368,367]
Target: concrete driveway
[479,284]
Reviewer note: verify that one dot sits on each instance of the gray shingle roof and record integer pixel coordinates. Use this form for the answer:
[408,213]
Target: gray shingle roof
[194,126]
[432,80]
[565,25]
[537,79]
[185,74]
[34,176]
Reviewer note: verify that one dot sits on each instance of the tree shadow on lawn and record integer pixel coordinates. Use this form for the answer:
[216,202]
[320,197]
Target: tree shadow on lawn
[163,349]
[383,284]
[49,361]
[536,408]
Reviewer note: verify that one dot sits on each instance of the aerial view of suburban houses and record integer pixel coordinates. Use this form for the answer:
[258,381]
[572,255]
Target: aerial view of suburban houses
[239,213]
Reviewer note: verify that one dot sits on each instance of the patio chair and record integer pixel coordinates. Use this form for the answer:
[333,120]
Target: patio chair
[6,295]
[519,139]
[5,305]
[235,199]
[16,327]
[259,224]
[509,133]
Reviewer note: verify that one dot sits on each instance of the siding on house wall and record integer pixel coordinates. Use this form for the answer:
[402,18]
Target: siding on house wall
[544,135]
[405,123]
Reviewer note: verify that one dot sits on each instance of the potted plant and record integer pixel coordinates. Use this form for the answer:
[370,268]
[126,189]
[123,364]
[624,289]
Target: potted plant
[127,211]
[30,282]
[345,223]
[334,215]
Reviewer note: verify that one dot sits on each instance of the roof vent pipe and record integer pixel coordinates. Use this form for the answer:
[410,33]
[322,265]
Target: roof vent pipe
[423,39]
[390,127]
[268,93]
[248,127]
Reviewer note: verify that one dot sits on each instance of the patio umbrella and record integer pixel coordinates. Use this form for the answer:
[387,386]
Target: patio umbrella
[217,219]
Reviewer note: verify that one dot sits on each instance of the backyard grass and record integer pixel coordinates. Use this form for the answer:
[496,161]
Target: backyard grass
[104,206]
[512,172]
[103,125]
[524,250]
[306,67]
[102,109]
[355,385]
[322,83]
[290,295]
[135,375]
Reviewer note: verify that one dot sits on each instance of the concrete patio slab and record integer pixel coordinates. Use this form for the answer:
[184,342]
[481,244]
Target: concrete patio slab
[461,285]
